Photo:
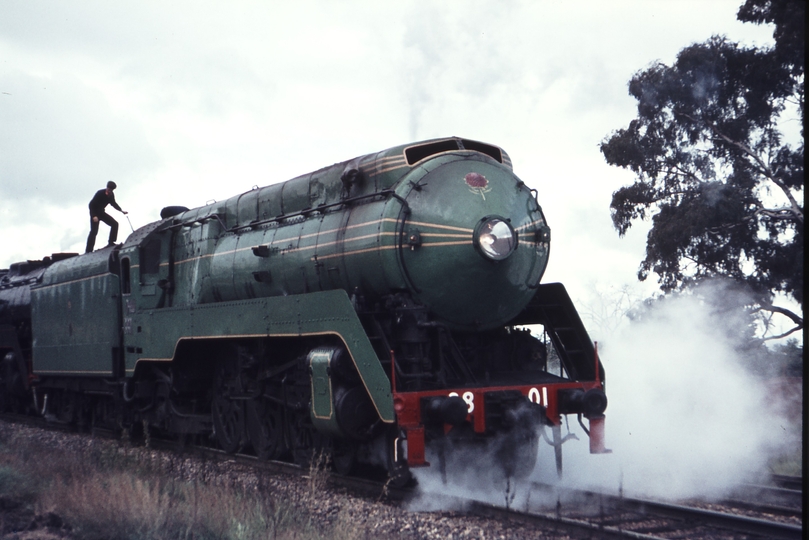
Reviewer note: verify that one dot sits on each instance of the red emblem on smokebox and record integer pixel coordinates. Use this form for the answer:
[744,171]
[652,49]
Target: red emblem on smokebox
[477,184]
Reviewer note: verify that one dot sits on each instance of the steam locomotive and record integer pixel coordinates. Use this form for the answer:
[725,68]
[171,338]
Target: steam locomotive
[387,309]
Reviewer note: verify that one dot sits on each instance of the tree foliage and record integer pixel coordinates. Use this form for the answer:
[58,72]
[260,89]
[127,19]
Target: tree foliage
[715,167]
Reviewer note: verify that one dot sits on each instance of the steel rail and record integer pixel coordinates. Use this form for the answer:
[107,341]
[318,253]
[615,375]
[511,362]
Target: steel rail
[695,517]
[734,522]
[788,482]
[557,521]
[769,499]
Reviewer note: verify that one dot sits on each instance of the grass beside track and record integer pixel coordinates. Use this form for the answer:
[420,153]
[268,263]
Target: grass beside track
[106,492]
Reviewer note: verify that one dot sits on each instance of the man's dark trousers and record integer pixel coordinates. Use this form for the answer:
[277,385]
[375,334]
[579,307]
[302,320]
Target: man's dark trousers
[106,218]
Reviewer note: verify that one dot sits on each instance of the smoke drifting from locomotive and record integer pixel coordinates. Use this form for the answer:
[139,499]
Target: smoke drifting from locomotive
[687,419]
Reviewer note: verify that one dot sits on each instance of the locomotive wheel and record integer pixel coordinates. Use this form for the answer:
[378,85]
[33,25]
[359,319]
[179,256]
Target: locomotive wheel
[228,421]
[307,444]
[134,432]
[343,457]
[13,396]
[66,405]
[5,399]
[302,444]
[102,415]
[265,429]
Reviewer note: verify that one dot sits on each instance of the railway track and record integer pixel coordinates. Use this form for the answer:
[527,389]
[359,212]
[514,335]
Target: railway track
[768,499]
[616,516]
[787,482]
[576,512]
[611,516]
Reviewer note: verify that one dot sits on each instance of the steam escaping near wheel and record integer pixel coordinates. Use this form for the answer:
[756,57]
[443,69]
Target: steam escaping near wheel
[497,472]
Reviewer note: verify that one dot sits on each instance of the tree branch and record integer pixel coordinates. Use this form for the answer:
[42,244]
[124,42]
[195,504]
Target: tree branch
[775,213]
[762,166]
[785,334]
[794,317]
[679,171]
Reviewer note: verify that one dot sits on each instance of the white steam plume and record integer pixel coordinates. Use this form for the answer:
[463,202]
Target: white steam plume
[685,419]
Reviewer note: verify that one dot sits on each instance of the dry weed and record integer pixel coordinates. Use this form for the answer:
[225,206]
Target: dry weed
[318,473]
[111,492]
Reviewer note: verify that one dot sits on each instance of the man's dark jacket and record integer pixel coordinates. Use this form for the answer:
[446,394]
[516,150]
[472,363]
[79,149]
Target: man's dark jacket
[100,202]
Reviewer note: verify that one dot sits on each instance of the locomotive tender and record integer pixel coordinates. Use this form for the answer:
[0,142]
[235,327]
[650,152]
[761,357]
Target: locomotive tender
[372,309]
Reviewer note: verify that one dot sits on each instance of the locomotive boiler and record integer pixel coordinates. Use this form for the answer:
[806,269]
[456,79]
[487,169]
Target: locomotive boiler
[377,309]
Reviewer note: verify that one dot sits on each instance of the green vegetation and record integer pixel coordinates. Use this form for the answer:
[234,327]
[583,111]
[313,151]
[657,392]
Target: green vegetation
[109,492]
[717,152]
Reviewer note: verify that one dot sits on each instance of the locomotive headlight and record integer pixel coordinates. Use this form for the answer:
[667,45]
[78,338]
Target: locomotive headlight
[495,238]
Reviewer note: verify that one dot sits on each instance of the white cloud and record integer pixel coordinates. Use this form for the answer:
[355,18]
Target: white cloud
[60,138]
[185,102]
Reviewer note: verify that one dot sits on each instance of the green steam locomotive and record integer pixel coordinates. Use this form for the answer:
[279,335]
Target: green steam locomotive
[375,309]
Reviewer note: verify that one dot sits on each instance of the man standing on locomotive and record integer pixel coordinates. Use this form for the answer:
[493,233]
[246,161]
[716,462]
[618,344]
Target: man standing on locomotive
[100,200]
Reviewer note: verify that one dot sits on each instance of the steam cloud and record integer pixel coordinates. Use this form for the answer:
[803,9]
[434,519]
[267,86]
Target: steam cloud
[685,419]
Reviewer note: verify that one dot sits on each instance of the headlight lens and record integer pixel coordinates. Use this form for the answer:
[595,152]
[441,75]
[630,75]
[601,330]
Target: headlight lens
[496,238]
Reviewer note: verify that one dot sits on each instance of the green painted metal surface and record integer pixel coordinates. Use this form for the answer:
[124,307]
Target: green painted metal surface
[154,334]
[446,271]
[322,412]
[321,384]
[79,303]
[362,243]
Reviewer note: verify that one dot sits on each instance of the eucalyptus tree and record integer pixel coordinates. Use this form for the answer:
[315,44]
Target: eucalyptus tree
[717,152]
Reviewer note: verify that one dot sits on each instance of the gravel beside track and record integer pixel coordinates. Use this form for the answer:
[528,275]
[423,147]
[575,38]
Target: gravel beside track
[369,510]
[372,518]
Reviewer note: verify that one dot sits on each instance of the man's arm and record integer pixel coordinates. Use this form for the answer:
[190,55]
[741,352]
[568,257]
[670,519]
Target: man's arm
[115,204]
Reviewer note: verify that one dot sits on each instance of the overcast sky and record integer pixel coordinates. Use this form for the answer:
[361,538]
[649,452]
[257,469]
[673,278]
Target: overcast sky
[186,102]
